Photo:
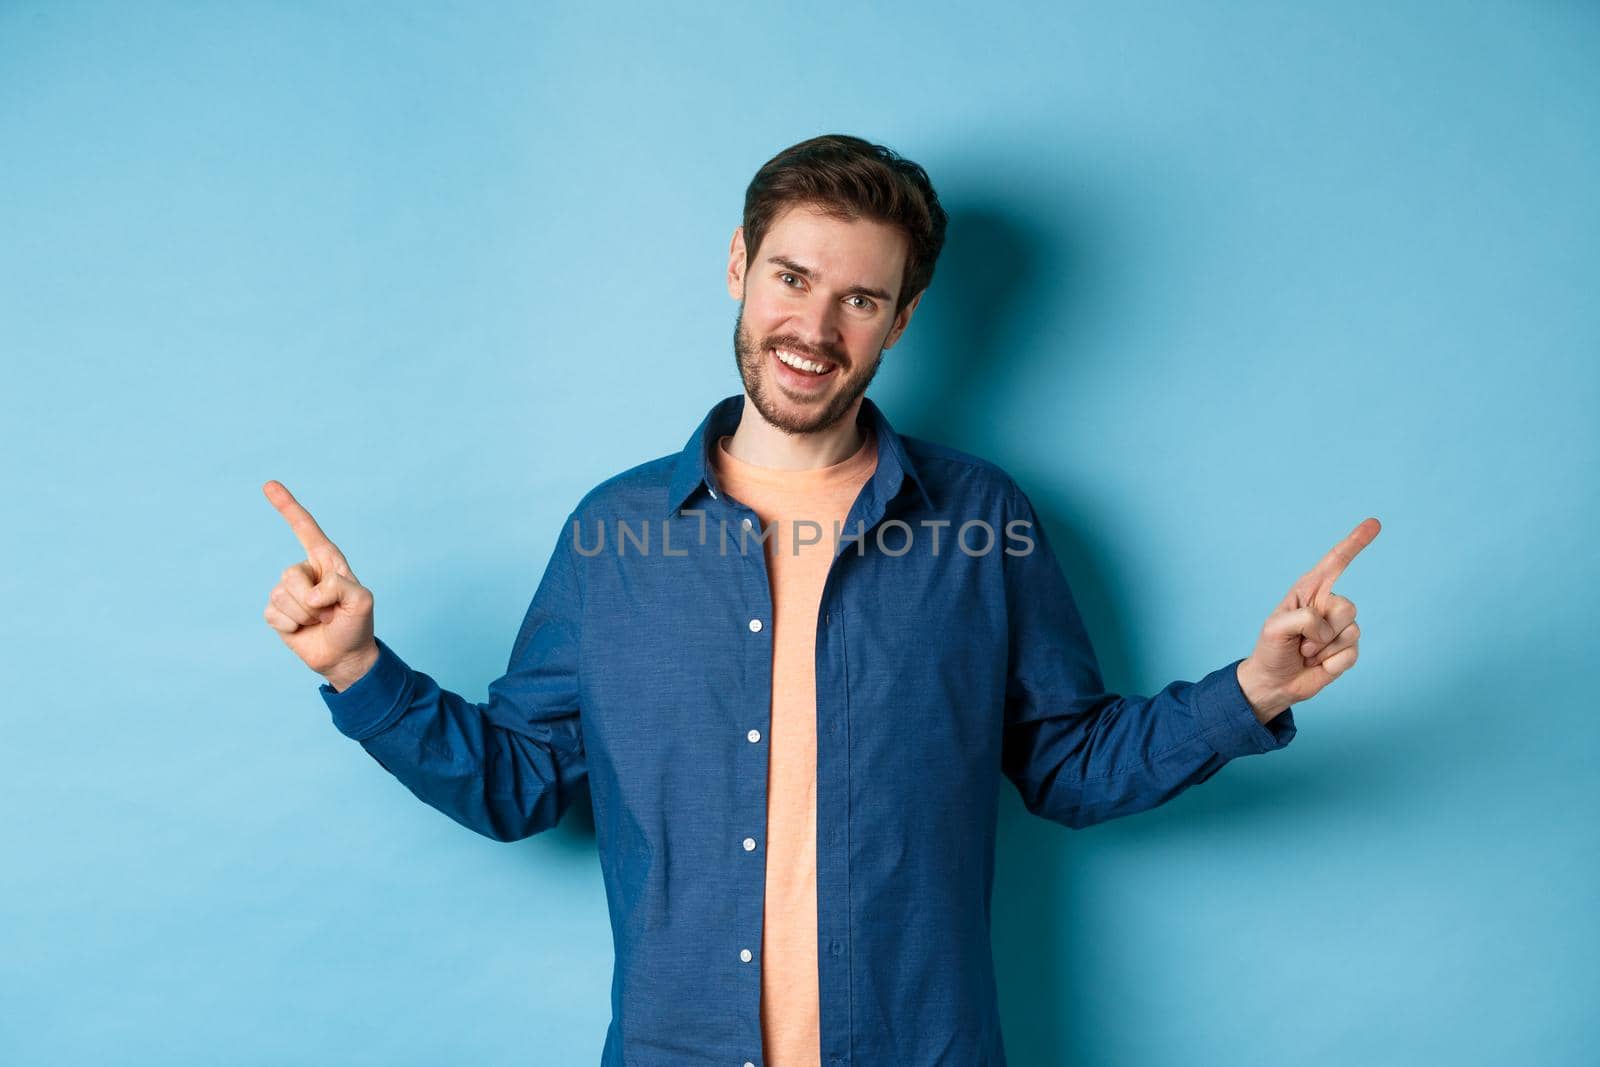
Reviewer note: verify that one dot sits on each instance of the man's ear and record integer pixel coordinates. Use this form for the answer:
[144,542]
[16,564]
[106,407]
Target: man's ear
[736,258]
[902,320]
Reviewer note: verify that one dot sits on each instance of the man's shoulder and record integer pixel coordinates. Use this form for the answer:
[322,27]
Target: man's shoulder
[642,488]
[950,472]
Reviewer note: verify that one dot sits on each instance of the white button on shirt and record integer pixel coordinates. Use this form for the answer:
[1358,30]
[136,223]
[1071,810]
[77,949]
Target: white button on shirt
[755,626]
[754,736]
[744,954]
[749,844]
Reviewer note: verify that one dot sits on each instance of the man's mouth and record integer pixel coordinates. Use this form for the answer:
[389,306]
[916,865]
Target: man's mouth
[803,367]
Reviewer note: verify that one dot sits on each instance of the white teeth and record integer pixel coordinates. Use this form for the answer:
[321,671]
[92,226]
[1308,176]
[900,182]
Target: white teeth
[800,362]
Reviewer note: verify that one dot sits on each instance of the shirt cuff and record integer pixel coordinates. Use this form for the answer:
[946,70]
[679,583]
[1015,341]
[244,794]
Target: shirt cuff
[1229,724]
[375,700]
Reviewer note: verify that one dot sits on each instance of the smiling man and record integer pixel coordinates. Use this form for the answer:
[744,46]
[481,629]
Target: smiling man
[832,311]
[794,705]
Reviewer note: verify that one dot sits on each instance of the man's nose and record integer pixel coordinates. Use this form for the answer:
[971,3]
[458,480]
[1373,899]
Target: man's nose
[818,325]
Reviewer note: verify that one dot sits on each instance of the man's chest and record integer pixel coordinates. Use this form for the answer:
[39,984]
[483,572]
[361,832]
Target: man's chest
[678,654]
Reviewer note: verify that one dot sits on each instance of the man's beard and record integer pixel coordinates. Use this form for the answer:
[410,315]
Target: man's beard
[754,370]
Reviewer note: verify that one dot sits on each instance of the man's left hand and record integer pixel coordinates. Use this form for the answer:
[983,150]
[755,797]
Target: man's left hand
[1310,638]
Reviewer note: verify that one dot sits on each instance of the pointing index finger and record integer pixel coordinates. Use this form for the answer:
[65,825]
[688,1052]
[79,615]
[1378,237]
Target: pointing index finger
[1339,556]
[312,539]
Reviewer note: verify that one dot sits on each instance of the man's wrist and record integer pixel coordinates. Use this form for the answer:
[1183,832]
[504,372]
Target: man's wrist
[1266,702]
[350,671]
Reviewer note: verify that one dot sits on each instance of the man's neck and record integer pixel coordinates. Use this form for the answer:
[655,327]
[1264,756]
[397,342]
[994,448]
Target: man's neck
[761,444]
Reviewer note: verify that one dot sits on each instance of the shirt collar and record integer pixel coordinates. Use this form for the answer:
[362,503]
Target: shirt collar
[693,468]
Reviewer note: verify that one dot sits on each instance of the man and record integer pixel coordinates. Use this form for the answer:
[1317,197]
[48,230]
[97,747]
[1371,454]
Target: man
[791,662]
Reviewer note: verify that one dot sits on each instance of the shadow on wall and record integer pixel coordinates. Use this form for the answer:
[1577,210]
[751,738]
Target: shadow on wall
[981,338]
[975,338]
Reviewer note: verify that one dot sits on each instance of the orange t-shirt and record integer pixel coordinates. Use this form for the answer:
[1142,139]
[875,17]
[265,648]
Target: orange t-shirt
[790,1014]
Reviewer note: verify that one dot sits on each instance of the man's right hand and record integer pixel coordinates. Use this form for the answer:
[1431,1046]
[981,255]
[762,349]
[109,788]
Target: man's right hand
[318,607]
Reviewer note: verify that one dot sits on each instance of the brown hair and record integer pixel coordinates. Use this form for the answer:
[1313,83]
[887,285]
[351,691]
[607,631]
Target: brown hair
[850,178]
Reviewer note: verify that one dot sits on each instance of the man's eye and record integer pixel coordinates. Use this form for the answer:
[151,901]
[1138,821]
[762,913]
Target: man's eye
[865,305]
[786,276]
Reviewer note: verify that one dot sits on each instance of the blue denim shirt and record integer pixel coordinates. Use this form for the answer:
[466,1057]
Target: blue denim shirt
[644,669]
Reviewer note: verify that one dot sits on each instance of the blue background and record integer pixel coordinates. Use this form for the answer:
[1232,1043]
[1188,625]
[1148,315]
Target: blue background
[1221,281]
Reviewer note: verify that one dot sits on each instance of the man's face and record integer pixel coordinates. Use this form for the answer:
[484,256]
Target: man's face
[823,290]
